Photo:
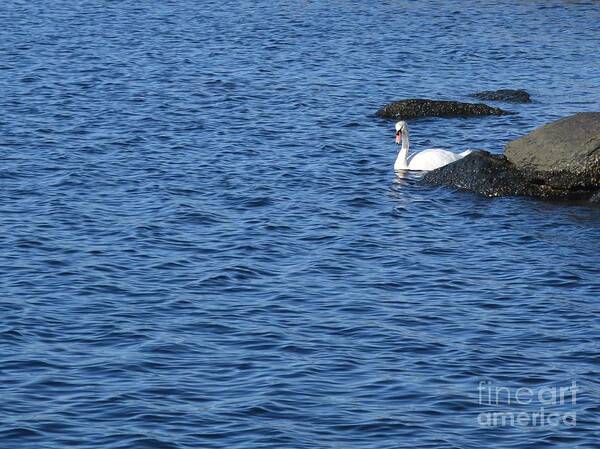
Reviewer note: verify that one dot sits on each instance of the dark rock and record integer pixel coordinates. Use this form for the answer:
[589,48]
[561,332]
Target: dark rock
[417,108]
[559,160]
[489,175]
[570,144]
[595,198]
[494,175]
[505,95]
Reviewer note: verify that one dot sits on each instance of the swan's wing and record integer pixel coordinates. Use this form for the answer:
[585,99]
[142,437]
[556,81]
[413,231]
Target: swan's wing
[426,152]
[432,158]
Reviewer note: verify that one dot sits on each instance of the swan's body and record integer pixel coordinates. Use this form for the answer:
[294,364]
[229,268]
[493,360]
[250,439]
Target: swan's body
[425,160]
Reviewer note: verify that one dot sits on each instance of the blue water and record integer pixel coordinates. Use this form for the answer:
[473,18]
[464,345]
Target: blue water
[203,243]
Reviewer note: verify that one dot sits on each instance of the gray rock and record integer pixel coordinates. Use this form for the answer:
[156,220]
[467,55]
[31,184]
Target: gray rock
[418,107]
[505,95]
[571,144]
[595,198]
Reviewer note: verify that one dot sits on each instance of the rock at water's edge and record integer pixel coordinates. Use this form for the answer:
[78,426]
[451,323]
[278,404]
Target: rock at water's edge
[505,95]
[570,144]
[483,173]
[559,160]
[419,107]
[494,175]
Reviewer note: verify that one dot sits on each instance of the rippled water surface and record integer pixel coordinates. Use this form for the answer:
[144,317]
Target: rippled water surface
[203,243]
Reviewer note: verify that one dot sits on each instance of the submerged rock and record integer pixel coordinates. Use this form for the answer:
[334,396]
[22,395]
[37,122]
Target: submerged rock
[559,160]
[505,95]
[419,107]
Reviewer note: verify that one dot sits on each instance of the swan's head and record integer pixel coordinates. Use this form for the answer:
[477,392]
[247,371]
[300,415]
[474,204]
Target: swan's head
[400,128]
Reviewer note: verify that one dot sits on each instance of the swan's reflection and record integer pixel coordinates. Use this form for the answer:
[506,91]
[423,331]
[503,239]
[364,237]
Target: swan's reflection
[407,176]
[404,181]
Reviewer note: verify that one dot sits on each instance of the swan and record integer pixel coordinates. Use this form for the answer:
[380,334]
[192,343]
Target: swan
[425,160]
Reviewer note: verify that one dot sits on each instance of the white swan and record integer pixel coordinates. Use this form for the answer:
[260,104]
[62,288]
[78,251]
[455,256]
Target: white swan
[425,160]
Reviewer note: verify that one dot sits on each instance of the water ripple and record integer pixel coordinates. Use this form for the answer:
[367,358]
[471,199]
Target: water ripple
[203,243]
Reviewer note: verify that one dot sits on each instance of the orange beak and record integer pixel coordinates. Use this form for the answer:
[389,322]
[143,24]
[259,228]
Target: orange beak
[398,137]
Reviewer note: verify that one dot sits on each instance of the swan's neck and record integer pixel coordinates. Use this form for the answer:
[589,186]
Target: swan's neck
[402,159]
